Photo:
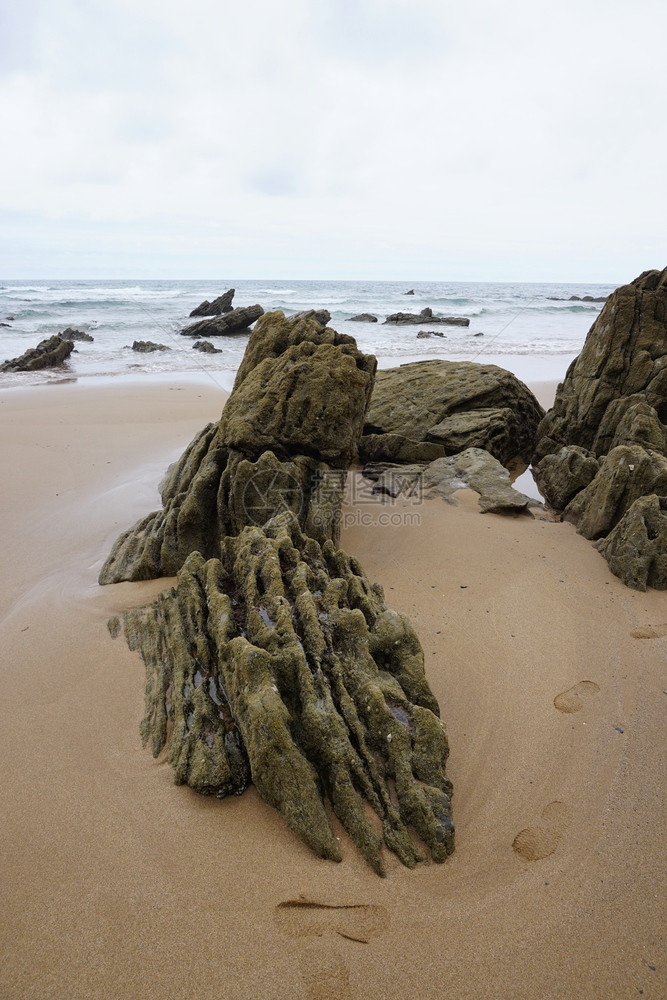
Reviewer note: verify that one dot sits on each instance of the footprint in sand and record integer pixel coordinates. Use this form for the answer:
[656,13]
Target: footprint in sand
[649,632]
[573,699]
[537,842]
[324,974]
[354,921]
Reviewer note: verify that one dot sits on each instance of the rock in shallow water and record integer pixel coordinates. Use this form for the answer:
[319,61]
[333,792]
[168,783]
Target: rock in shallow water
[148,347]
[223,304]
[48,354]
[206,347]
[236,321]
[473,468]
[426,315]
[564,474]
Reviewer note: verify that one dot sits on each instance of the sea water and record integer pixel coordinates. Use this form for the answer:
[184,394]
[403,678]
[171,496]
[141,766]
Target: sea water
[529,328]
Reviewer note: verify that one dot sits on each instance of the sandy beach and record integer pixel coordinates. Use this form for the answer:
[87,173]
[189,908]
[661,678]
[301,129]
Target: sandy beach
[550,675]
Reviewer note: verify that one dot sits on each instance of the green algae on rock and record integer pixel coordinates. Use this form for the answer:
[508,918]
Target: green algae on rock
[290,425]
[280,663]
[274,660]
[636,549]
[602,447]
[448,406]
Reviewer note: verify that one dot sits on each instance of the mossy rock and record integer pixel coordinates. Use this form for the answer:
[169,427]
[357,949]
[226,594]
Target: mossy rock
[565,473]
[451,405]
[297,411]
[623,361]
[625,474]
[280,663]
[274,660]
[274,333]
[310,400]
[636,549]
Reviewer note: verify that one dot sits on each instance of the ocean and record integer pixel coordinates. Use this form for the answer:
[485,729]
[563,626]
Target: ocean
[532,329]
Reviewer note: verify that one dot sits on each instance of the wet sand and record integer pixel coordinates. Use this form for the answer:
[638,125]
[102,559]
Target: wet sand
[550,676]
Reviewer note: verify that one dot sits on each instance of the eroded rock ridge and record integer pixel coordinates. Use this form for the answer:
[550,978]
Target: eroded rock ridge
[274,659]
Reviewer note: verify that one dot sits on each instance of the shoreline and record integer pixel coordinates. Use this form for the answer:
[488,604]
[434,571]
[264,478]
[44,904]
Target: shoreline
[108,867]
[532,369]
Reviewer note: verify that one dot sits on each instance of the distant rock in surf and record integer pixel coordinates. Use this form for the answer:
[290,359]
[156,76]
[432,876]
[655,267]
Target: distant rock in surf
[48,354]
[578,298]
[425,316]
[148,346]
[236,321]
[71,334]
[206,347]
[411,292]
[223,304]
[321,316]
[430,333]
[363,318]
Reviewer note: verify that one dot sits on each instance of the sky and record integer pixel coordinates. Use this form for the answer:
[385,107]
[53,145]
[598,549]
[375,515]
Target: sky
[371,139]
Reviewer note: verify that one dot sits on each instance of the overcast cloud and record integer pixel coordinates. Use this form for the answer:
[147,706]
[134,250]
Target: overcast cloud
[407,139]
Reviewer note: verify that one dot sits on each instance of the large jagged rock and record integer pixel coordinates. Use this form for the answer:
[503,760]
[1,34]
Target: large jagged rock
[623,362]
[603,445]
[638,423]
[636,549]
[279,663]
[236,321]
[219,306]
[274,660]
[452,405]
[425,316]
[48,354]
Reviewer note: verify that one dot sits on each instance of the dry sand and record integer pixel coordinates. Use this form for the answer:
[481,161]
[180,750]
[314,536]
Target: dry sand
[117,883]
